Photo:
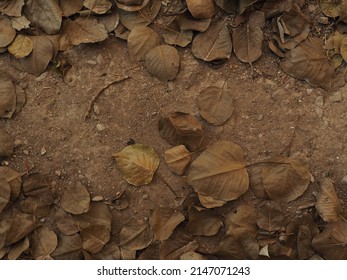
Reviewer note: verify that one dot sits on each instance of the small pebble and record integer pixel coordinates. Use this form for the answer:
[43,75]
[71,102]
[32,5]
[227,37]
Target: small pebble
[26,152]
[336,97]
[58,173]
[100,127]
[344,180]
[96,109]
[260,117]
[98,198]
[146,219]
[91,62]
[43,151]
[42,220]
[17,143]
[145,196]
[323,20]
[311,8]
[319,101]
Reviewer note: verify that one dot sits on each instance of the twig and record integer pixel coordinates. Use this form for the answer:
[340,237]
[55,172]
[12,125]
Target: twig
[95,97]
[167,184]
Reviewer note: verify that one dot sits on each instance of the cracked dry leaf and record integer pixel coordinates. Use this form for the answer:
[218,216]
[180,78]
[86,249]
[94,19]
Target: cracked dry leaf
[202,8]
[220,172]
[98,6]
[213,44]
[131,5]
[69,247]
[7,32]
[12,8]
[135,235]
[173,35]
[332,242]
[203,221]
[76,199]
[177,159]
[7,96]
[141,40]
[143,17]
[247,41]
[70,7]
[215,104]
[187,22]
[6,143]
[180,128]
[328,204]
[137,163]
[163,62]
[17,249]
[13,178]
[43,242]
[163,221]
[45,14]
[66,223]
[269,216]
[21,46]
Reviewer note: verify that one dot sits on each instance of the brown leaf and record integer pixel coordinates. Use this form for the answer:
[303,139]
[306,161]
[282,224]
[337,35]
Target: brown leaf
[18,248]
[202,8]
[135,235]
[192,256]
[98,6]
[110,21]
[179,243]
[151,252]
[328,204]
[277,250]
[244,216]
[121,32]
[210,202]
[304,243]
[163,221]
[187,22]
[215,104]
[137,163]
[76,199]
[5,193]
[269,216]
[140,18]
[181,128]
[173,35]
[110,251]
[332,242]
[69,248]
[228,6]
[273,8]
[203,222]
[213,44]
[70,7]
[257,18]
[45,14]
[163,62]
[141,40]
[7,96]
[21,46]
[177,159]
[21,99]
[43,242]
[6,143]
[7,33]
[131,5]
[5,226]
[247,41]
[36,184]
[20,23]
[14,179]
[330,7]
[66,223]
[12,8]
[219,172]
[126,254]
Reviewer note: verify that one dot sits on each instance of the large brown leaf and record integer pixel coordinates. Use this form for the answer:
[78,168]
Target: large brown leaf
[219,172]
[215,104]
[247,41]
[213,44]
[45,14]
[69,248]
[163,62]
[163,221]
[269,216]
[202,8]
[43,242]
[76,199]
[177,159]
[70,7]
[328,204]
[181,128]
[137,163]
[7,32]
[98,6]
[12,8]
[7,97]
[135,235]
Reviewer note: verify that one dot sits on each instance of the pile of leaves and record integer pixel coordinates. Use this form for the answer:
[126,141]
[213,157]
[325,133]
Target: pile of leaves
[35,31]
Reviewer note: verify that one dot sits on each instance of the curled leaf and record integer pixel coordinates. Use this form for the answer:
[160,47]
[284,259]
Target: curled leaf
[12,8]
[18,248]
[210,202]
[131,5]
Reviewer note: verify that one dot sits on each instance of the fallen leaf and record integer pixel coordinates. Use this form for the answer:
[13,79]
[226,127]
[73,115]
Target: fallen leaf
[247,41]
[304,243]
[275,8]
[43,242]
[228,6]
[18,248]
[70,7]
[6,143]
[163,221]
[163,62]
[264,251]
[76,199]
[121,32]
[7,96]
[98,6]
[177,159]
[173,35]
[137,163]
[66,223]
[141,40]
[45,14]
[210,202]
[20,23]
[192,256]
[219,172]
[36,206]
[330,7]
[203,221]
[110,21]
[13,178]
[135,235]
[277,250]
[131,5]
[5,193]
[36,184]
[257,18]
[202,8]
[269,216]
[213,44]
[12,8]
[187,22]
[5,226]
[151,252]
[7,33]
[244,216]
[110,251]
[69,248]
[180,128]
[331,243]
[328,204]
[215,104]
[21,46]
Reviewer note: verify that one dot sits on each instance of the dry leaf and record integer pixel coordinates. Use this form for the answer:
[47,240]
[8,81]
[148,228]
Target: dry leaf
[177,159]
[76,199]
[257,18]
[202,8]
[269,216]
[219,172]
[7,33]
[244,216]
[45,14]
[110,251]
[70,7]
[11,8]
[126,254]
[135,235]
[179,243]
[20,23]
[69,248]
[181,128]
[192,256]
[203,222]
[274,8]
[21,46]
[264,251]
[163,221]
[18,248]
[140,18]
[110,21]
[187,22]
[209,202]
[131,5]
[7,96]
[141,40]
[228,6]
[6,143]
[328,204]
[98,6]
[13,178]
[330,7]
[137,163]
[36,184]
[247,41]
[5,226]
[277,250]
[173,35]
[332,242]
[215,104]
[66,223]
[304,243]
[213,44]
[244,4]
[151,252]
[163,62]
[5,193]
[43,242]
